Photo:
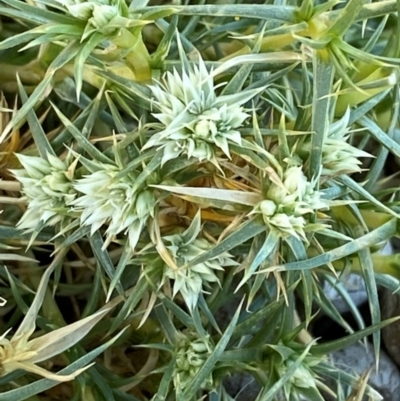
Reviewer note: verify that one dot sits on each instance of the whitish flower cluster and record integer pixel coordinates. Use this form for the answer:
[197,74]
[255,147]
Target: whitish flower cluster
[196,120]
[20,352]
[191,353]
[184,248]
[304,380]
[48,187]
[287,204]
[113,200]
[101,15]
[338,156]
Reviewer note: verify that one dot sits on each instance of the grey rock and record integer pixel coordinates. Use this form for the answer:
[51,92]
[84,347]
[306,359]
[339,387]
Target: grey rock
[242,386]
[355,286]
[390,304]
[358,359]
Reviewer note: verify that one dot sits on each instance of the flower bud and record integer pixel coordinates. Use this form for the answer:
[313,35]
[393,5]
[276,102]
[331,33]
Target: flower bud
[47,189]
[56,163]
[81,11]
[267,207]
[203,129]
[276,193]
[36,167]
[294,180]
[145,203]
[102,15]
[302,377]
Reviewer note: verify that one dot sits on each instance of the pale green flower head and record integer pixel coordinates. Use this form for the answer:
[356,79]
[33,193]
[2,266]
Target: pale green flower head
[47,186]
[197,122]
[101,15]
[287,203]
[191,353]
[114,201]
[302,378]
[303,381]
[21,352]
[184,248]
[338,155]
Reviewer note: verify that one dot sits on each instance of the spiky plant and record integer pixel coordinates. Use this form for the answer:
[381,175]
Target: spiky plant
[167,162]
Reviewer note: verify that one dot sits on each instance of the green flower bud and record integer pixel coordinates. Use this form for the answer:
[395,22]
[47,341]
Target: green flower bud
[203,129]
[47,189]
[108,200]
[102,15]
[145,204]
[81,11]
[267,207]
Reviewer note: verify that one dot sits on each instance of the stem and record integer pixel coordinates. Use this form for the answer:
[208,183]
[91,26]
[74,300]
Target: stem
[10,186]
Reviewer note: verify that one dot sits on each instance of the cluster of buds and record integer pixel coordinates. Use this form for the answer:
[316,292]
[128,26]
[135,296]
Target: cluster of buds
[195,119]
[117,201]
[184,248]
[101,15]
[338,155]
[304,380]
[99,198]
[191,353]
[288,202]
[48,188]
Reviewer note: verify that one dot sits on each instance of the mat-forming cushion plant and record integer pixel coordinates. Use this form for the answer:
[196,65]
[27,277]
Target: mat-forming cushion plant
[165,164]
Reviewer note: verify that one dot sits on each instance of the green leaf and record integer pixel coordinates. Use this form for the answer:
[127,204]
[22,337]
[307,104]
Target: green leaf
[40,138]
[346,18]
[350,183]
[249,325]
[367,268]
[81,58]
[18,39]
[115,279]
[265,12]
[245,232]
[140,94]
[263,58]
[179,313]
[381,136]
[323,75]
[237,81]
[342,343]
[166,323]
[269,393]
[383,233]
[43,89]
[38,14]
[342,291]
[134,298]
[153,165]
[265,253]
[81,139]
[211,361]
[165,383]
[102,256]
[241,197]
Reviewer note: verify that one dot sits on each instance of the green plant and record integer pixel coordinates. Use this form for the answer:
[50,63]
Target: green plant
[174,159]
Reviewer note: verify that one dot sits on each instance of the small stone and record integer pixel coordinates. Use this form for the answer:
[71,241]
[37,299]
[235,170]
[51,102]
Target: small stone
[357,359]
[355,286]
[390,304]
[242,386]
[391,334]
